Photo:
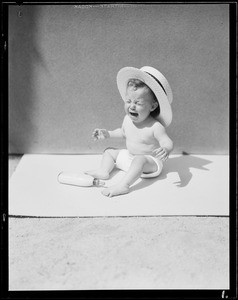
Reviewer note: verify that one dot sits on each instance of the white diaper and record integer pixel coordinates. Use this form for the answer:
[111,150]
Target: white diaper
[124,160]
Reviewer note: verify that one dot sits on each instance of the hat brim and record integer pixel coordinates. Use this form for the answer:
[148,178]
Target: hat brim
[127,73]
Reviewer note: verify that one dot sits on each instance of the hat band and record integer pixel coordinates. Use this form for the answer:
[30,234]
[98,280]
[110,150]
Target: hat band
[157,81]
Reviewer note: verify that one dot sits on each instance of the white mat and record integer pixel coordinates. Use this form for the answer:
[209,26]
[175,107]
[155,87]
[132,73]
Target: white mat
[188,185]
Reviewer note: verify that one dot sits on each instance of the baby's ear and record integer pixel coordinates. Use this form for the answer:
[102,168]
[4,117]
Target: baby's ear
[155,104]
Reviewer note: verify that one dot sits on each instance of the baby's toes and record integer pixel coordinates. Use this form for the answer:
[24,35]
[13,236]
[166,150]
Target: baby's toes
[107,192]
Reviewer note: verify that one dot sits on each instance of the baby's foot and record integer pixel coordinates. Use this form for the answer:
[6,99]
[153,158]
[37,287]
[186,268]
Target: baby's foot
[98,174]
[116,190]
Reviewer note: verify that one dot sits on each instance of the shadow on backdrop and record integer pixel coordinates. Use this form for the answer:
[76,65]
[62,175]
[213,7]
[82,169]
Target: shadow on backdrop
[24,59]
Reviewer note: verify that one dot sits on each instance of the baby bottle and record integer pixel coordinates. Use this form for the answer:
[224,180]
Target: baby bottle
[79,179]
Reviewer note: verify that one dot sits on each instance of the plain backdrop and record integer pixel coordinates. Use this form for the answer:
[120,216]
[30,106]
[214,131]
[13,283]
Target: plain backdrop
[63,62]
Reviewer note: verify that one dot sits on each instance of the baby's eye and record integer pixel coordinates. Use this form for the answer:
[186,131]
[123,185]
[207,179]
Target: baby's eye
[128,101]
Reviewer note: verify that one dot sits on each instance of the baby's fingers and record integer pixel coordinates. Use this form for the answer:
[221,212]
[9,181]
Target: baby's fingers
[164,157]
[95,134]
[158,151]
[161,153]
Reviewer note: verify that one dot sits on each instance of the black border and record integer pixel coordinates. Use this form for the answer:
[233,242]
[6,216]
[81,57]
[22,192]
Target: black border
[233,152]
[117,294]
[4,148]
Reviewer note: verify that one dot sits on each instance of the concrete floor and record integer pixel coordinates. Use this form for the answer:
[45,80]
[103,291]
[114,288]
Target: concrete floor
[118,253]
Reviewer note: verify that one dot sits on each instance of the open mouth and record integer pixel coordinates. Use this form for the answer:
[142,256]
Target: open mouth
[133,114]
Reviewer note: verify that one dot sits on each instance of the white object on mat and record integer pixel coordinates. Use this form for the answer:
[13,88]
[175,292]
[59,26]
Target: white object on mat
[78,179]
[188,185]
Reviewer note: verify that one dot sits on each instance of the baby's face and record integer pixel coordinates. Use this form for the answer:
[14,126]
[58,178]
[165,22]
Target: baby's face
[139,104]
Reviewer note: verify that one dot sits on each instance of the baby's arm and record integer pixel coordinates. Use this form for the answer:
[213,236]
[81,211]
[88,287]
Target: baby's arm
[101,134]
[166,144]
[117,133]
[105,134]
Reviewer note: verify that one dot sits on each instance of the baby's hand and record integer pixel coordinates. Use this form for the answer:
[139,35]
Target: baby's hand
[100,134]
[161,153]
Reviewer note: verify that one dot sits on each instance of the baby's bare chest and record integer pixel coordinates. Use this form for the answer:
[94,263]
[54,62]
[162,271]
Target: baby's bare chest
[139,135]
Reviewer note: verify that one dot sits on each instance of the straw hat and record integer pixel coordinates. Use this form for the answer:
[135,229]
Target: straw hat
[156,82]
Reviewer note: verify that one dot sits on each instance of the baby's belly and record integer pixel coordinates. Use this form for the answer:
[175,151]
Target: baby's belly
[140,148]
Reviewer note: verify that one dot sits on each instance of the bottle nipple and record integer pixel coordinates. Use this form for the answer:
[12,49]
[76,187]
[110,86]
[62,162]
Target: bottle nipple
[98,182]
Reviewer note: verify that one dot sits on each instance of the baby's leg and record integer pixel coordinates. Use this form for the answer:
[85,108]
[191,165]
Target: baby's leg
[107,164]
[139,164]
